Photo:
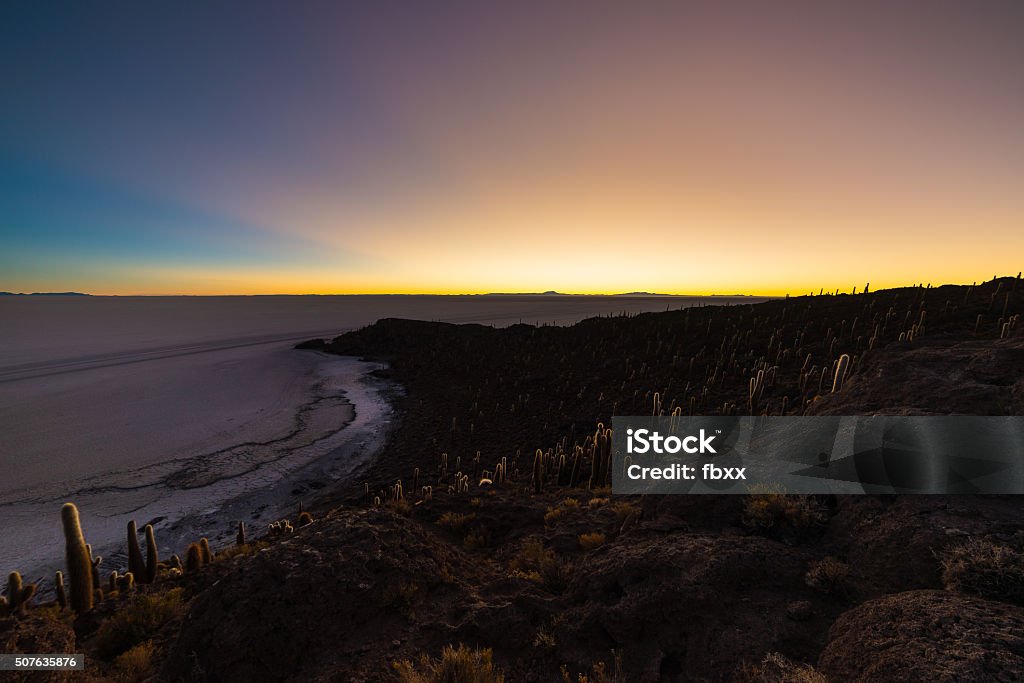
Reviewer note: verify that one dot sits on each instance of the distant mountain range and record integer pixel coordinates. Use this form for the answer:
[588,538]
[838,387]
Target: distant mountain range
[554,293]
[44,294]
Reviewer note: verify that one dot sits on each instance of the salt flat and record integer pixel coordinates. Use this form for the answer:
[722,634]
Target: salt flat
[195,412]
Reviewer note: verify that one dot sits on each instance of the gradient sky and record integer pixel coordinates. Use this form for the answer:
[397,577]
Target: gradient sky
[253,147]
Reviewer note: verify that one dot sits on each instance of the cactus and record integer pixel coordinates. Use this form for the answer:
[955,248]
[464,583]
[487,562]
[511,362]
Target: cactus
[112,583]
[193,558]
[18,595]
[841,368]
[135,564]
[62,596]
[126,582]
[305,519]
[95,562]
[240,536]
[152,557]
[538,471]
[77,557]
[204,548]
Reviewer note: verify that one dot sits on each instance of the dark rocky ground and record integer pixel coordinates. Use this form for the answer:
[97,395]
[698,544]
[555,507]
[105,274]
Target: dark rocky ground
[657,589]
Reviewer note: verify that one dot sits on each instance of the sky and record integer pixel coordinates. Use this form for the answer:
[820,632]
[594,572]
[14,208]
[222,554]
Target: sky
[444,147]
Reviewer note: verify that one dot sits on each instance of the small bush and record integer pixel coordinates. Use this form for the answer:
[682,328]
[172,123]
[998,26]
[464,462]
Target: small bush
[477,538]
[399,507]
[454,521]
[538,564]
[777,668]
[770,509]
[596,502]
[250,548]
[981,567]
[561,510]
[598,673]
[135,665]
[591,541]
[624,511]
[138,621]
[456,665]
[828,575]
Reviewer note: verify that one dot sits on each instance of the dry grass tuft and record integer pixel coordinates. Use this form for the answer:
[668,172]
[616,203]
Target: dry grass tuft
[561,510]
[454,521]
[456,665]
[591,541]
[769,508]
[981,567]
[135,665]
[540,565]
[828,575]
[777,668]
[624,511]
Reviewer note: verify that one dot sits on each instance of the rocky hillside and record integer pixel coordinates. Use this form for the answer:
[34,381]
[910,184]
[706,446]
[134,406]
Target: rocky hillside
[487,521]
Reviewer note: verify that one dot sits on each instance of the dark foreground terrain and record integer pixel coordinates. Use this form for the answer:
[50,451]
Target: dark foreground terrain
[462,533]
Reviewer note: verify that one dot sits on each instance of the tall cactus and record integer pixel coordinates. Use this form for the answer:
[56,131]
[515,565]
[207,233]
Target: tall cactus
[538,471]
[841,367]
[135,563]
[152,557]
[77,557]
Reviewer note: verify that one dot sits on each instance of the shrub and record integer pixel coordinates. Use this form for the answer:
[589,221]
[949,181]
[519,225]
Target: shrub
[828,575]
[565,507]
[135,665]
[769,508]
[981,567]
[399,507]
[596,502]
[138,621]
[777,668]
[591,541]
[624,511]
[454,521]
[476,539]
[456,665]
[538,564]
[598,673]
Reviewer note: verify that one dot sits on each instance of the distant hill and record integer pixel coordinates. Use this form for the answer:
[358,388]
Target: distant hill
[44,294]
[554,293]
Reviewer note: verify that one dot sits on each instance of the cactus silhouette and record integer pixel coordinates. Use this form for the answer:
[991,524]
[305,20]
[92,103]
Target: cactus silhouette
[204,549]
[152,557]
[135,565]
[305,519]
[193,558]
[538,471]
[240,536]
[58,584]
[842,365]
[18,595]
[77,556]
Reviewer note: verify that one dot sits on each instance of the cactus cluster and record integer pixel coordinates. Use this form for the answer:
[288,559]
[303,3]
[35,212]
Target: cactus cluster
[18,596]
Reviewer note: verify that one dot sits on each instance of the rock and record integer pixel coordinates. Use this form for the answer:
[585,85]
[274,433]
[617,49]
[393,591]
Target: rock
[35,634]
[934,377]
[702,603]
[926,635]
